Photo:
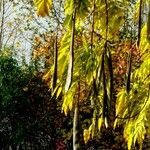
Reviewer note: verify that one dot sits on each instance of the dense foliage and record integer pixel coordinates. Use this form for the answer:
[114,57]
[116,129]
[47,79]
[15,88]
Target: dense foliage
[90,61]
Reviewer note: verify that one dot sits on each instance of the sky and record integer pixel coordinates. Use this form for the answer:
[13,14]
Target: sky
[21,24]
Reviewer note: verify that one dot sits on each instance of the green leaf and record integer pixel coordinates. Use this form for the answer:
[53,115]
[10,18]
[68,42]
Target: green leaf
[68,21]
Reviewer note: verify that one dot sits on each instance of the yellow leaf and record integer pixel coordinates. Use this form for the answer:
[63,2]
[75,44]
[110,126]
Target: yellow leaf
[66,111]
[115,123]
[90,128]
[69,7]
[59,91]
[86,136]
[100,121]
[43,7]
[56,90]
[93,131]
[70,105]
[129,142]
[121,100]
[106,122]
[65,106]
[47,76]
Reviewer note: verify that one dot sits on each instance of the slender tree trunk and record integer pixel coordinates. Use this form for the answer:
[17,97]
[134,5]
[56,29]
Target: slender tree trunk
[55,62]
[105,93]
[76,124]
[140,23]
[148,24]
[129,68]
[75,128]
[2,22]
[56,52]
[112,106]
[54,110]
[92,30]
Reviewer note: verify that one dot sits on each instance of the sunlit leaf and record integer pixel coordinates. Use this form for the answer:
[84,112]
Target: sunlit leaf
[86,136]
[43,7]
[69,7]
[100,121]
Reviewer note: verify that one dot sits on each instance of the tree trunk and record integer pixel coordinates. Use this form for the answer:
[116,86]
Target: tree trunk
[76,126]
[2,22]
